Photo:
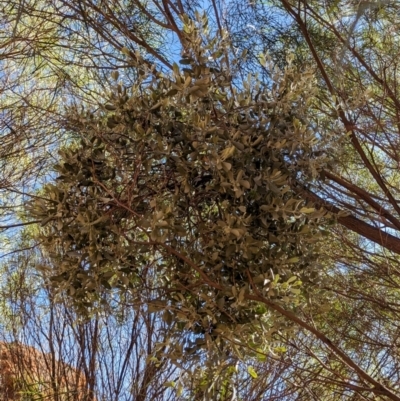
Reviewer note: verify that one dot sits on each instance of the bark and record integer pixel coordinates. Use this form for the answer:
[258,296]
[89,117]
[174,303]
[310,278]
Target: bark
[356,225]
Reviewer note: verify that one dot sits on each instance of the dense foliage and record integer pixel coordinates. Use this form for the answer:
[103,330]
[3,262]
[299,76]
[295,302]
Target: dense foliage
[196,180]
[172,174]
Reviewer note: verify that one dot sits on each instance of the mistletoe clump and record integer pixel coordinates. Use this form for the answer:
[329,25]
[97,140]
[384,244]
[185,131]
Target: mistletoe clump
[184,190]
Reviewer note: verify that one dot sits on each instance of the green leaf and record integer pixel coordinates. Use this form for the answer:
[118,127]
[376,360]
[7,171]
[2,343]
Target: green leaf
[252,372]
[307,210]
[262,60]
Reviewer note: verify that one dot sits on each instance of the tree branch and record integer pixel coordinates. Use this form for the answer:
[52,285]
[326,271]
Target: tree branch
[366,230]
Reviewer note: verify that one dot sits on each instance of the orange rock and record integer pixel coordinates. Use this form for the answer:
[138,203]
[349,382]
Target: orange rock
[24,369]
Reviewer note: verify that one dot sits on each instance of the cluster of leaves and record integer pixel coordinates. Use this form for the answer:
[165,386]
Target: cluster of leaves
[196,179]
[62,52]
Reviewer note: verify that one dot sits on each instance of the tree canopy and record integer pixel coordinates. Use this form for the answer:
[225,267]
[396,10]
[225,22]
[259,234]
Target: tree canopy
[218,182]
